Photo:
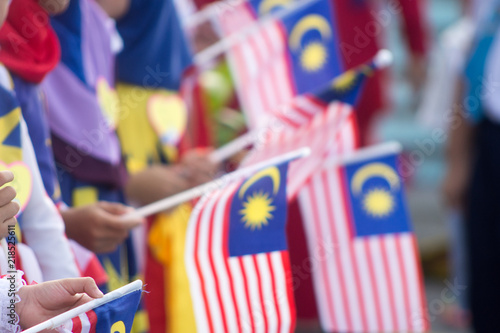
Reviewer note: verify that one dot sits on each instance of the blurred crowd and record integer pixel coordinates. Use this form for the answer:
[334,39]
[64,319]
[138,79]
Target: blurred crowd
[103,108]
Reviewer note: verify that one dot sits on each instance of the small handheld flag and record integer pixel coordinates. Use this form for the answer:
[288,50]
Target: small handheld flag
[237,258]
[367,278]
[112,313]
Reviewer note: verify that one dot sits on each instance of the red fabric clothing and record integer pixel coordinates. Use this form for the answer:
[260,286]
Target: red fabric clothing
[361,27]
[28,45]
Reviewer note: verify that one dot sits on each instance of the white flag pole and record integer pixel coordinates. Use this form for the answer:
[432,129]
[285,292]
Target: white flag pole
[197,191]
[64,317]
[383,149]
[233,147]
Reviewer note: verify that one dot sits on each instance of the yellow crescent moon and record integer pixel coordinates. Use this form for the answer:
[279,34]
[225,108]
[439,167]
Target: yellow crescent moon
[267,6]
[272,172]
[310,22]
[371,170]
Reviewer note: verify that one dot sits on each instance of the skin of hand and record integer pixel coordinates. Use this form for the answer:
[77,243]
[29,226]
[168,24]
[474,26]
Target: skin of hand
[160,181]
[155,183]
[54,7]
[197,167]
[4,10]
[115,8]
[43,301]
[99,227]
[8,208]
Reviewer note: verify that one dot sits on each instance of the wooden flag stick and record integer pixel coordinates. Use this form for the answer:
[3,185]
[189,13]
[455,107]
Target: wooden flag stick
[177,199]
[64,317]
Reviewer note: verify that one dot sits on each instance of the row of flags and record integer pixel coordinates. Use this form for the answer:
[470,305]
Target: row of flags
[283,56]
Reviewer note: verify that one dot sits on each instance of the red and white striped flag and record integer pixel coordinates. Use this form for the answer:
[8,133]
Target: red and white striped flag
[276,59]
[237,259]
[309,122]
[367,277]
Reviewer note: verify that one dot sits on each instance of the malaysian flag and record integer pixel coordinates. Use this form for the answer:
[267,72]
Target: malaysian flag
[237,259]
[366,276]
[114,316]
[233,16]
[277,59]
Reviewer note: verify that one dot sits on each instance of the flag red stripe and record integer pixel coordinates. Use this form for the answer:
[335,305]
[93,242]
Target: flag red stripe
[77,325]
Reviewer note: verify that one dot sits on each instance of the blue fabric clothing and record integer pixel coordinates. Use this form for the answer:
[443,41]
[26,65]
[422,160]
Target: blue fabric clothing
[156,51]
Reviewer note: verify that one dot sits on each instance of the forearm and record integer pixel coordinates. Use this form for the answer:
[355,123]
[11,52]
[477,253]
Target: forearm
[43,227]
[115,8]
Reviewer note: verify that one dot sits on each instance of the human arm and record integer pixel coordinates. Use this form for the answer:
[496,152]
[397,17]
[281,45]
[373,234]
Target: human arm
[42,225]
[160,181]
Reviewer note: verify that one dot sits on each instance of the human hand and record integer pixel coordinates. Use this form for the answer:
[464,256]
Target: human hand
[54,7]
[43,301]
[155,183]
[197,167]
[99,227]
[8,208]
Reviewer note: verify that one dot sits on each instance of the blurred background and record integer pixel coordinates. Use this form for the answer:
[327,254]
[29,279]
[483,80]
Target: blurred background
[404,124]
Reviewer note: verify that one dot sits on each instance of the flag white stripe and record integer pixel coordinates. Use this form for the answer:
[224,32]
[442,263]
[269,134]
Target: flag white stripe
[86,325]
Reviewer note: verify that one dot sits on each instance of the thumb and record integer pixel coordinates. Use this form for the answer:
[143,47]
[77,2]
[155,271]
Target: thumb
[85,285]
[114,208]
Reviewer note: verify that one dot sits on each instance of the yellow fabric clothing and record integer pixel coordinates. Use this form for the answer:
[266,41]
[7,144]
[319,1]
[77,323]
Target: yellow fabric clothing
[149,127]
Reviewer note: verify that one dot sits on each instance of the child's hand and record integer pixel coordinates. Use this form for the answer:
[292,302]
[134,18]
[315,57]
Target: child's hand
[54,7]
[155,183]
[8,208]
[43,301]
[99,226]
